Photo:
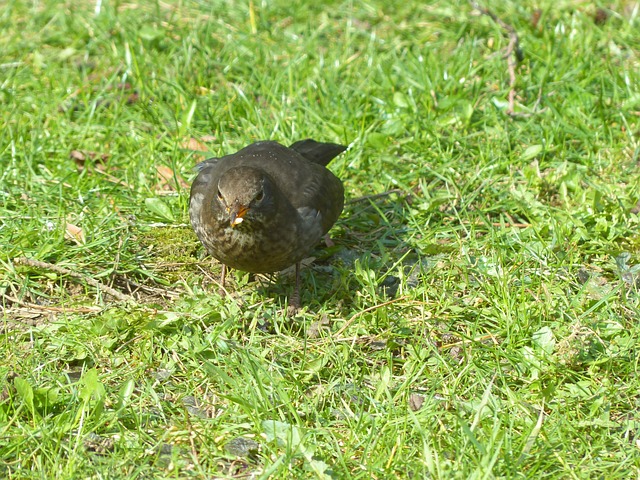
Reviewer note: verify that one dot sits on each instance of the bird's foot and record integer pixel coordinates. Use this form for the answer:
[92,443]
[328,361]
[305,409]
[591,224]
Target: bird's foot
[328,241]
[294,301]
[292,310]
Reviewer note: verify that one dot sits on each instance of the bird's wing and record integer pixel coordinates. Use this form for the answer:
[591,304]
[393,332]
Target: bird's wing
[310,188]
[320,199]
[206,163]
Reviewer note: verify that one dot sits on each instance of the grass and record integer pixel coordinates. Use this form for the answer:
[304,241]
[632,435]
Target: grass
[480,321]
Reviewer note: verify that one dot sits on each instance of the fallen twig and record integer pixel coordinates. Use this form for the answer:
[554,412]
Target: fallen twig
[374,196]
[161,292]
[366,310]
[47,308]
[65,271]
[480,223]
[513,54]
[469,340]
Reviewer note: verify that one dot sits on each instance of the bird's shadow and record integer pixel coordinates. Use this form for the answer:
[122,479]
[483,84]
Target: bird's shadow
[318,278]
[374,244]
[372,260]
[370,248]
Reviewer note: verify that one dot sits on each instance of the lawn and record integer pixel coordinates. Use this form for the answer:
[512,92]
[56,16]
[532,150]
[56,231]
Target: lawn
[477,313]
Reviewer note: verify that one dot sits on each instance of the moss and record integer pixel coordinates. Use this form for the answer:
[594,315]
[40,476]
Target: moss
[172,251]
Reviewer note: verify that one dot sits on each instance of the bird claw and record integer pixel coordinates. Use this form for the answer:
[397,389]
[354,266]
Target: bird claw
[328,241]
[292,310]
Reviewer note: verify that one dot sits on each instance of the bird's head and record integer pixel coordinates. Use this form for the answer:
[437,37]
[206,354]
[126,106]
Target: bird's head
[246,195]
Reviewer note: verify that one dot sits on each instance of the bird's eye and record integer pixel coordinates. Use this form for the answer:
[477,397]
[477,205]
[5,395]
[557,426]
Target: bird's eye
[260,196]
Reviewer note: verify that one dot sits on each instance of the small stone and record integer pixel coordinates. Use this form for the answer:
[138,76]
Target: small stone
[242,447]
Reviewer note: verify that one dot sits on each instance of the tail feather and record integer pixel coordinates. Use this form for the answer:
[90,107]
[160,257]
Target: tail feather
[317,152]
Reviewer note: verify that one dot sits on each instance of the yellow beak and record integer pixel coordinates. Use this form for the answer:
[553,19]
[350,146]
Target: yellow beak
[237,216]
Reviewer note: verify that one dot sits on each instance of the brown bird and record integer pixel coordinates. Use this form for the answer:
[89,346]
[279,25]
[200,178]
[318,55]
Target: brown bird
[263,208]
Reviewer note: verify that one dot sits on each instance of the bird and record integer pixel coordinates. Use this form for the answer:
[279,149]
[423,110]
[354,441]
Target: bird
[264,208]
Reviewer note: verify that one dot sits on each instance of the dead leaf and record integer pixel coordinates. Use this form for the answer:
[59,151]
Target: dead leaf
[80,158]
[193,144]
[98,157]
[75,233]
[314,329]
[167,179]
[601,16]
[415,401]
[535,18]
[77,155]
[133,98]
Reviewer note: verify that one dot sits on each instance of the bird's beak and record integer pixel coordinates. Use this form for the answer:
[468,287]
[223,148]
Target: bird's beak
[237,214]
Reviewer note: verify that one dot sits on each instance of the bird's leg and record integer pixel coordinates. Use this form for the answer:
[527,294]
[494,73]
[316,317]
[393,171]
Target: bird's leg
[294,301]
[328,242]
[223,274]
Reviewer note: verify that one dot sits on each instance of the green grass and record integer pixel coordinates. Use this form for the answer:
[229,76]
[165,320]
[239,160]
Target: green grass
[480,322]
